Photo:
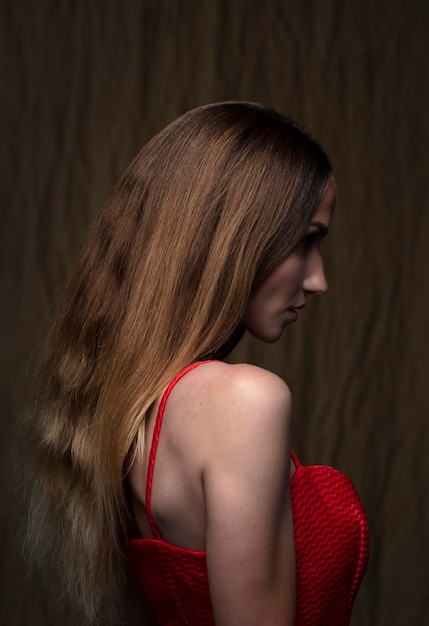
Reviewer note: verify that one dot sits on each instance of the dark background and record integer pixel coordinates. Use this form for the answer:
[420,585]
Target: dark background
[85,83]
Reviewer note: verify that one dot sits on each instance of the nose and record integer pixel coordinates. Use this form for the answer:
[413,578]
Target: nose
[315,282]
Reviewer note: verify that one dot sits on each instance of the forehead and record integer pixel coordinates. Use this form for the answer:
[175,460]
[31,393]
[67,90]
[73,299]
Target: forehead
[325,209]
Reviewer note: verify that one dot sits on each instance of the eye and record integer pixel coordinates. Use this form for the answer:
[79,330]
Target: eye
[309,241]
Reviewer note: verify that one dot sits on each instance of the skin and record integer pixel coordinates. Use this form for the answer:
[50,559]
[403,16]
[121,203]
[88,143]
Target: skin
[231,452]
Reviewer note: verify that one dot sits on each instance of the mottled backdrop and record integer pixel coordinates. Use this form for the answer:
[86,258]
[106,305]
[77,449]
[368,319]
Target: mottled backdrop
[85,83]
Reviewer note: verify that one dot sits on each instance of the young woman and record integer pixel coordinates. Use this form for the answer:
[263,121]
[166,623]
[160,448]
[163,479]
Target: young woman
[215,228]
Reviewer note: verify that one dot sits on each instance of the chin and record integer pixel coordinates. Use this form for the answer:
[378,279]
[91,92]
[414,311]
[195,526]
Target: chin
[270,336]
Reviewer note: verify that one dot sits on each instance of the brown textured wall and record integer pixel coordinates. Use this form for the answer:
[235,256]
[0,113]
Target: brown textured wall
[84,84]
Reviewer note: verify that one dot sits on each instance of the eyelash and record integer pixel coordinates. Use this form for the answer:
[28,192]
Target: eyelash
[309,241]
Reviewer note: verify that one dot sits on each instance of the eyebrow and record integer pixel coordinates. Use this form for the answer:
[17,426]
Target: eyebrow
[323,229]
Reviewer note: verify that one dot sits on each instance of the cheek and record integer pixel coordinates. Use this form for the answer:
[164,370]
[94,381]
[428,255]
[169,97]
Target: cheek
[278,288]
[287,279]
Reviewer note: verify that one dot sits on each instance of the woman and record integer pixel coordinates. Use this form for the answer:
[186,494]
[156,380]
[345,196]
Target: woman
[215,228]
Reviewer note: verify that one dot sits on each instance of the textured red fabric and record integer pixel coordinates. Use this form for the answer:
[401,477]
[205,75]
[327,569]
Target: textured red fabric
[331,542]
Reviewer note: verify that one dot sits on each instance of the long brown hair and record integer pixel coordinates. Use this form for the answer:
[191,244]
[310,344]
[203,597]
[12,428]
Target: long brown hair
[205,212]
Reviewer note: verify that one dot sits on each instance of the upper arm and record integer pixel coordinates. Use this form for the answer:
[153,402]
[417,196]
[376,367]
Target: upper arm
[249,540]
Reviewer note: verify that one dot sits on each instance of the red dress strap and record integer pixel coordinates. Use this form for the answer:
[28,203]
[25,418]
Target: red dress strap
[154,445]
[295,459]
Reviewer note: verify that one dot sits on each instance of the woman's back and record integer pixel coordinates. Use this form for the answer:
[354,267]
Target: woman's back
[224,487]
[186,447]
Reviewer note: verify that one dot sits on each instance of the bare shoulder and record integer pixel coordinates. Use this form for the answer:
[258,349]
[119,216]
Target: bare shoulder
[216,386]
[227,406]
[255,385]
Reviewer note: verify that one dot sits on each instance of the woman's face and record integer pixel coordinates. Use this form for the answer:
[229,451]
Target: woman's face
[276,301]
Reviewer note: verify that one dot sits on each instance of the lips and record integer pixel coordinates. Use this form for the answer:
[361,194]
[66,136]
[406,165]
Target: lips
[293,315]
[293,312]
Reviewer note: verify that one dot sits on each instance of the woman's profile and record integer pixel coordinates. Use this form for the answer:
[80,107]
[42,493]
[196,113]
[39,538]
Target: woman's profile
[149,448]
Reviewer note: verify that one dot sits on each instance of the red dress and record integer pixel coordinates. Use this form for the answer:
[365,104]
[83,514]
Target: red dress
[331,543]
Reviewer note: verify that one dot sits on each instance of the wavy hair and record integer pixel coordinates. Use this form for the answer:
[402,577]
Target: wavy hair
[209,207]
